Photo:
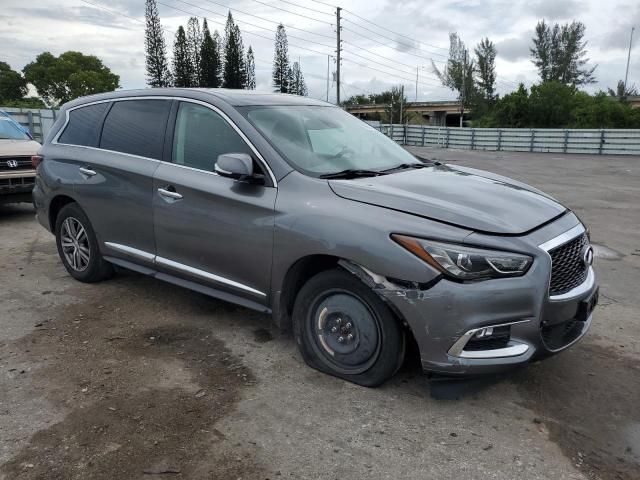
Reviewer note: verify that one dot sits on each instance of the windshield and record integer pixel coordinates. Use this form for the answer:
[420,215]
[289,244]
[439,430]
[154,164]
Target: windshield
[10,131]
[323,140]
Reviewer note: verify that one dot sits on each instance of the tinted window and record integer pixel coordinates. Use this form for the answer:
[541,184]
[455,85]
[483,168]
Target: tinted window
[84,125]
[136,127]
[201,135]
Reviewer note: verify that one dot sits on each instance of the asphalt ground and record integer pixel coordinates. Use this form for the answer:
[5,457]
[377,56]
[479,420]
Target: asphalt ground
[134,378]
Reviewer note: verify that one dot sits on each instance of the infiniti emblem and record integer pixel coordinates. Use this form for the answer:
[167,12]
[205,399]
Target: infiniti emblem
[12,163]
[587,255]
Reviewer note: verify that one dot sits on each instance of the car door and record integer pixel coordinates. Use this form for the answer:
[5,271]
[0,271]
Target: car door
[211,229]
[115,180]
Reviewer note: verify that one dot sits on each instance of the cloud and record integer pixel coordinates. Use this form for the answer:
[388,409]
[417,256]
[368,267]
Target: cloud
[515,48]
[557,9]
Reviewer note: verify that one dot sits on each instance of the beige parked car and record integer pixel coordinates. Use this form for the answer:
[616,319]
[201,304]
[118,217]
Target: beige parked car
[17,175]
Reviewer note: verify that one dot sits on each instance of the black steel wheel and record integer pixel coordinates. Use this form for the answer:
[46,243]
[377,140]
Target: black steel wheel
[344,329]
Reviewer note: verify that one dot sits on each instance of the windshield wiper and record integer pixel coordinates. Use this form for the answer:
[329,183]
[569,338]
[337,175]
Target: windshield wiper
[404,166]
[352,173]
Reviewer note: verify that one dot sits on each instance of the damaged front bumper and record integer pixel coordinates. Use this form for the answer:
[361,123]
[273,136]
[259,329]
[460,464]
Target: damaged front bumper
[490,326]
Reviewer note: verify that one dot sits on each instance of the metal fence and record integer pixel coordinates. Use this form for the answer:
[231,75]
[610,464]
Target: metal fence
[605,141]
[38,121]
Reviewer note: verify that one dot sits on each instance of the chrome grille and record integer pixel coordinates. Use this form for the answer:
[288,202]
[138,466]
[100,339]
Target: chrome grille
[15,163]
[568,269]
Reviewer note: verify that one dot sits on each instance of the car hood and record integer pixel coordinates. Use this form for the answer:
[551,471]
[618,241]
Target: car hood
[459,196]
[10,148]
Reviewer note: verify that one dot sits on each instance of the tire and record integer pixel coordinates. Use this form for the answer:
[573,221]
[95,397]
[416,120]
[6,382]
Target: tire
[80,255]
[344,329]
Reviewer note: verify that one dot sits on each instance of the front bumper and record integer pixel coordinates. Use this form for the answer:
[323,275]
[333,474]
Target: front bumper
[16,186]
[450,320]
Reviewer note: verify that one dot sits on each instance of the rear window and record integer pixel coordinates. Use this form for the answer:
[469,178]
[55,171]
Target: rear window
[83,127]
[136,127]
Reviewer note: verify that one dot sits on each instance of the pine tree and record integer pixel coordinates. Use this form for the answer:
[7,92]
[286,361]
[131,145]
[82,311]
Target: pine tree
[158,74]
[281,62]
[559,53]
[194,43]
[297,84]
[182,68]
[251,70]
[486,59]
[234,75]
[210,61]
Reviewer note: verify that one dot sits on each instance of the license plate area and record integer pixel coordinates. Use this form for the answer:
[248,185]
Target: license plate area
[587,306]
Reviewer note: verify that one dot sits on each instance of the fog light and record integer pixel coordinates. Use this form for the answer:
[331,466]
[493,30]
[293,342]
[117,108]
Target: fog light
[484,332]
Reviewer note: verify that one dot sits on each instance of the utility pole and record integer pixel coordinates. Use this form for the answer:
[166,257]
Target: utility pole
[464,88]
[338,50]
[417,68]
[401,102]
[328,63]
[626,74]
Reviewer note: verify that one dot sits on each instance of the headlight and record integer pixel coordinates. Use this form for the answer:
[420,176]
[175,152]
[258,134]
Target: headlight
[466,263]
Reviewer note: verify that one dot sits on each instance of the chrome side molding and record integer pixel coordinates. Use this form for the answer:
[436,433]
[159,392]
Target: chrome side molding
[512,350]
[134,252]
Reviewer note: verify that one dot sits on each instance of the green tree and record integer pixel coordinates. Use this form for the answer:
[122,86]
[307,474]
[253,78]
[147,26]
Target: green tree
[234,67]
[210,61]
[559,52]
[251,70]
[602,111]
[71,75]
[486,69]
[623,91]
[458,74]
[512,111]
[194,43]
[280,76]
[182,68]
[551,104]
[297,85]
[27,102]
[158,73]
[13,86]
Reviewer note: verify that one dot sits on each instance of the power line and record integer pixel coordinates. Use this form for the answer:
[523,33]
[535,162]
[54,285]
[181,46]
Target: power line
[265,19]
[412,67]
[115,12]
[307,8]
[413,47]
[410,80]
[246,31]
[248,23]
[387,45]
[293,13]
[396,33]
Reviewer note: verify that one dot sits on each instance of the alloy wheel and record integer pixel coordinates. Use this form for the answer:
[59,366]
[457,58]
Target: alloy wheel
[75,244]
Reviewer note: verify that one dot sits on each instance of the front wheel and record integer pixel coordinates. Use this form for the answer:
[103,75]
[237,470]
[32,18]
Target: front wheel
[344,329]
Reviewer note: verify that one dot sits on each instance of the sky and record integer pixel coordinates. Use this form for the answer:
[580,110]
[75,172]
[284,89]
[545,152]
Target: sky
[403,38]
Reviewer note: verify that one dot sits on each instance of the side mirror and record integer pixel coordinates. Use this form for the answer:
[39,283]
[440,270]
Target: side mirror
[238,166]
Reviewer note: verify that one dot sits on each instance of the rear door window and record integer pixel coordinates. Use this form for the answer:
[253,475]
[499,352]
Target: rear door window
[84,124]
[201,135]
[136,127]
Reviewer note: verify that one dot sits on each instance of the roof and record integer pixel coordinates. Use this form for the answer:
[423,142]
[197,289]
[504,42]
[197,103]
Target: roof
[231,96]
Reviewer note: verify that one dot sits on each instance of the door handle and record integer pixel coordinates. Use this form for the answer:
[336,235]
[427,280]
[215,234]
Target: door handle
[169,194]
[87,171]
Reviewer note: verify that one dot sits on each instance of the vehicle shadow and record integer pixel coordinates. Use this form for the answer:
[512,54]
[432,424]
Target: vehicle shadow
[14,211]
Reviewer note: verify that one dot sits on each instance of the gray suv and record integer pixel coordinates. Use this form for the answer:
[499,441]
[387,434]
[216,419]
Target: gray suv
[292,207]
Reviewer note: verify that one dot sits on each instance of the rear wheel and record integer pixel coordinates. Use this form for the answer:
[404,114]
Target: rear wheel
[344,329]
[78,247]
